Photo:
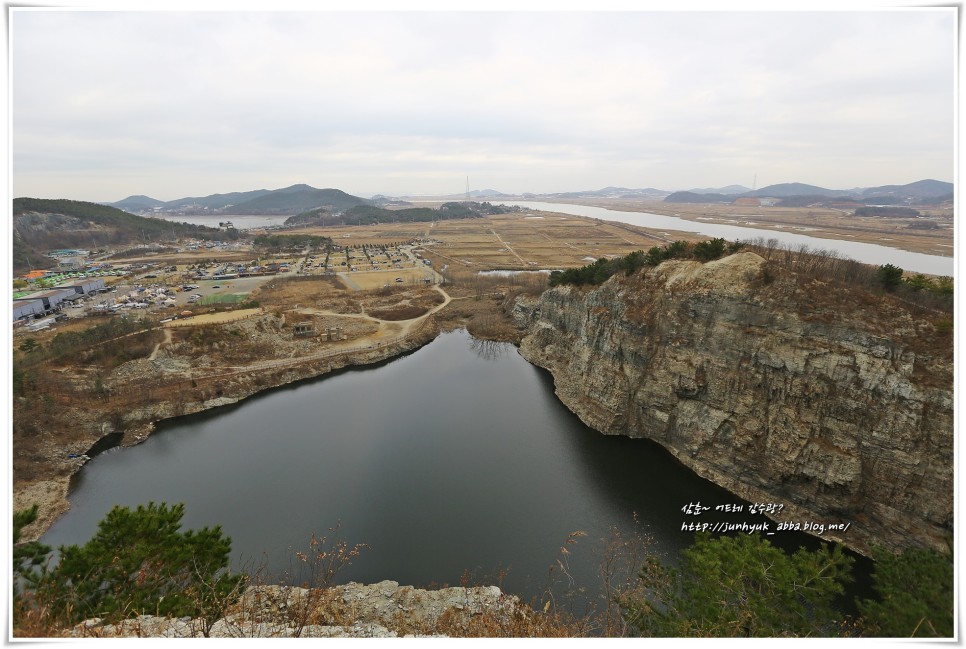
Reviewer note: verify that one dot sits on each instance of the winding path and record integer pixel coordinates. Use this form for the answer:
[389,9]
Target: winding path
[405,328]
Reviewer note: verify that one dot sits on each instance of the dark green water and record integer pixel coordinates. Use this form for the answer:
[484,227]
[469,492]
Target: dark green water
[457,457]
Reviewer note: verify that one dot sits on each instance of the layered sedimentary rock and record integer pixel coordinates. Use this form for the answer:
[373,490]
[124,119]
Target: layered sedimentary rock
[782,390]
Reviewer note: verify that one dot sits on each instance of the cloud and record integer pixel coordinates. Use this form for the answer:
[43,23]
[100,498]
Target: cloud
[538,101]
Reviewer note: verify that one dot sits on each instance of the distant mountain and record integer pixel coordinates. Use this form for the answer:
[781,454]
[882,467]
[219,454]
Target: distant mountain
[915,190]
[919,189]
[692,197]
[382,201]
[730,189]
[298,199]
[608,192]
[216,201]
[784,190]
[294,199]
[137,203]
[935,200]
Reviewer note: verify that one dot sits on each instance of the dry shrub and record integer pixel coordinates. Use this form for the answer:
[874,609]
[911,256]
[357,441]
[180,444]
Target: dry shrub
[520,622]
[398,312]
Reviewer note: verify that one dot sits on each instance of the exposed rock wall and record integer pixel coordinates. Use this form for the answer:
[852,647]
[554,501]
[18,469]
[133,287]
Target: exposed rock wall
[774,391]
[382,610]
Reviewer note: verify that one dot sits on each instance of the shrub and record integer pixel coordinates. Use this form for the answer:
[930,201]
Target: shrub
[889,276]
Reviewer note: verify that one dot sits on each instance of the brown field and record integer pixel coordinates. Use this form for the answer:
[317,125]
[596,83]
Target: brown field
[515,242]
[511,241]
[367,280]
[214,318]
[812,221]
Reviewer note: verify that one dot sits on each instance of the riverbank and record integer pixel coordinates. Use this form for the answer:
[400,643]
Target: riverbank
[821,223]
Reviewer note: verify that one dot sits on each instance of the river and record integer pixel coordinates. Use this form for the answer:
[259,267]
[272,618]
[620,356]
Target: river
[866,253]
[457,457]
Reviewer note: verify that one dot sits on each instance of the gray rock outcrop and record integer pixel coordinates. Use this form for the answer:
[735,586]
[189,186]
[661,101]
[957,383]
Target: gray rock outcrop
[774,391]
[382,610]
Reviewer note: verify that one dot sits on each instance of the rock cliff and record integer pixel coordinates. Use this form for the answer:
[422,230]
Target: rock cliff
[833,402]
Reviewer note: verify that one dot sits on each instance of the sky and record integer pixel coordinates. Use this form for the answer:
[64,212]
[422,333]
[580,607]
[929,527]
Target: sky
[106,104]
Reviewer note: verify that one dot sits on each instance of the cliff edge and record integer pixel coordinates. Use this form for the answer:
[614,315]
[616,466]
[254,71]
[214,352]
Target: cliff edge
[832,401]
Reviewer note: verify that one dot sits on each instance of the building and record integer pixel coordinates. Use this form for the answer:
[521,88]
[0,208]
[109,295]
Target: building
[27,308]
[43,302]
[751,202]
[84,286]
[52,298]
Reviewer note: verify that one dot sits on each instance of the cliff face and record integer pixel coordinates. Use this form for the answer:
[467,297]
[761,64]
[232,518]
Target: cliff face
[781,392]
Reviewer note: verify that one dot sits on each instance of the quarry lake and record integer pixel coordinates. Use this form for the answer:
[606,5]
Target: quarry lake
[455,458]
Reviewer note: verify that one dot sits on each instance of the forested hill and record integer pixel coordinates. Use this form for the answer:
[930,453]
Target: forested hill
[370,214]
[41,224]
[287,200]
[296,199]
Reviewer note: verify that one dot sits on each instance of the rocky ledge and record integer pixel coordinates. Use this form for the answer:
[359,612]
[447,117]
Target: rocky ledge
[382,610]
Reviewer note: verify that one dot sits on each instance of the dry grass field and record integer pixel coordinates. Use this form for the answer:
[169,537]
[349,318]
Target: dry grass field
[510,241]
[516,242]
[374,279]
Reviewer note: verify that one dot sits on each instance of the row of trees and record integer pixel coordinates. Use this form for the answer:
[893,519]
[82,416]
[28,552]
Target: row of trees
[893,278]
[919,290]
[272,243]
[601,270]
[140,562]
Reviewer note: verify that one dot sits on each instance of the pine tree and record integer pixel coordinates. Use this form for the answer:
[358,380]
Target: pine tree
[139,562]
[741,586]
[915,595]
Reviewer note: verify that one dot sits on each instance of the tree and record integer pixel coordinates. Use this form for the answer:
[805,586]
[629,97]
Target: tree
[27,557]
[28,345]
[915,595]
[709,250]
[139,562]
[738,587]
[890,276]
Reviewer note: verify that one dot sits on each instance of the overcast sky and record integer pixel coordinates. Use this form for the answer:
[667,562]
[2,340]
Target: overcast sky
[174,104]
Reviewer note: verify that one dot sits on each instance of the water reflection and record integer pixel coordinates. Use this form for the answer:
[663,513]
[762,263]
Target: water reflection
[489,350]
